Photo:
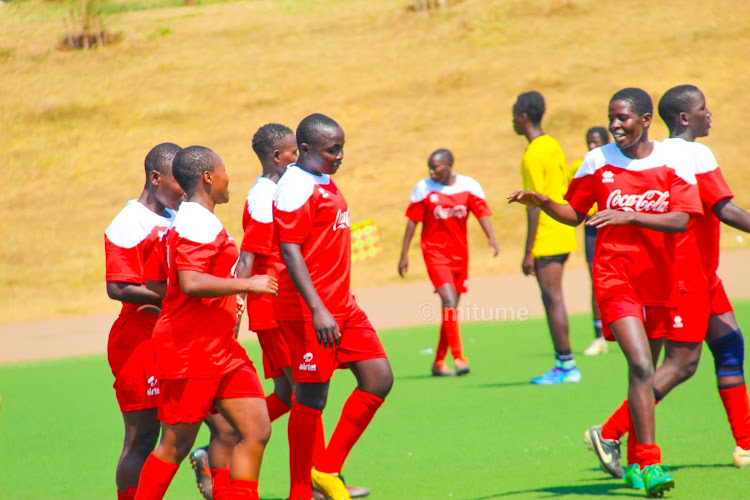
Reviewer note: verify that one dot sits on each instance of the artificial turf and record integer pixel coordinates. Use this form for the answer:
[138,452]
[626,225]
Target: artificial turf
[487,435]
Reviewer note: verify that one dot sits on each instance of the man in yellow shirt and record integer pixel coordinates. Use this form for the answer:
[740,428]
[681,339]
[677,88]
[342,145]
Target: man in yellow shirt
[548,242]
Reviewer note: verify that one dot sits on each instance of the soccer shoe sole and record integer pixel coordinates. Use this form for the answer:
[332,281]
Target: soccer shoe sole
[659,489]
[606,460]
[741,458]
[202,475]
[332,487]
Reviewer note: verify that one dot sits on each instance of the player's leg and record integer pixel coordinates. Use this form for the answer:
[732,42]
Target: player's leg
[449,297]
[549,271]
[727,345]
[218,456]
[443,280]
[631,336]
[277,366]
[305,421]
[141,434]
[162,464]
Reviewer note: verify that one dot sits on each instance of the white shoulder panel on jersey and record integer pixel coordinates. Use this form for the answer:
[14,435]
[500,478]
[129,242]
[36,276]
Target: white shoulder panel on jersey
[703,158]
[462,185]
[134,223]
[260,200]
[419,192]
[678,158]
[295,188]
[465,183]
[197,224]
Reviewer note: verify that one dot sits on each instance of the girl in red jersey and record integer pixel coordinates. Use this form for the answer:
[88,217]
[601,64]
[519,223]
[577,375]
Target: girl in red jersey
[201,366]
[442,204]
[643,195]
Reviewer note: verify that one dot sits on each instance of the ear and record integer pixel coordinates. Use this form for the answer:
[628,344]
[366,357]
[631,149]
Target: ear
[154,177]
[208,177]
[646,119]
[304,148]
[684,119]
[276,155]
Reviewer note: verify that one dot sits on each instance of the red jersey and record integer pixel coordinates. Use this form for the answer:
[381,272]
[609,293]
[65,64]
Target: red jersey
[443,211]
[194,337]
[257,221]
[629,260]
[309,210]
[713,188]
[129,241]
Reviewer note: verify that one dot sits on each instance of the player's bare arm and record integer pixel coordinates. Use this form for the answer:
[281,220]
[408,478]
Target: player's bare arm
[403,263]
[132,293]
[205,285]
[672,222]
[732,215]
[244,270]
[158,287]
[487,228]
[323,322]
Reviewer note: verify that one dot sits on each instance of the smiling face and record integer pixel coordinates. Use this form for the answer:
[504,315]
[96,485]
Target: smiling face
[326,154]
[698,116]
[440,169]
[628,129]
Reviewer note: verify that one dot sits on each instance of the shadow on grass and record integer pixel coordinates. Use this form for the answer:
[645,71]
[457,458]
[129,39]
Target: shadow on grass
[503,384]
[601,488]
[699,466]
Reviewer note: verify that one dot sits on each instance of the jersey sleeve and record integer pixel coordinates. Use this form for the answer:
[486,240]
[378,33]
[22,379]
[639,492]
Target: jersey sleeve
[683,193]
[123,264]
[478,202]
[193,256]
[711,183]
[416,209]
[294,226]
[581,194]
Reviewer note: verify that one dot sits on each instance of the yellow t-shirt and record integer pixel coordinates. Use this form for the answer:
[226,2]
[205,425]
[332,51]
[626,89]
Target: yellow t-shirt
[572,170]
[544,170]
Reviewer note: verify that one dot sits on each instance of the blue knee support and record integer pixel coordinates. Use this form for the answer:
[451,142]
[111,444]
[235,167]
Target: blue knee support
[729,354]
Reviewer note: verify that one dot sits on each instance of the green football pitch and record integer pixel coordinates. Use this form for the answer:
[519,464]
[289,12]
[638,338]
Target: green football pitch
[487,435]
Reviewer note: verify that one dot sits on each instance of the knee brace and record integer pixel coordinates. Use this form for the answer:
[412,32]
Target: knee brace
[729,354]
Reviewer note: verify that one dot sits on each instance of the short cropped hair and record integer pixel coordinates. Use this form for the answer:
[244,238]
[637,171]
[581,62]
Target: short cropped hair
[309,129]
[160,158]
[638,99]
[444,153]
[675,101]
[190,164]
[268,138]
[601,132]
[531,103]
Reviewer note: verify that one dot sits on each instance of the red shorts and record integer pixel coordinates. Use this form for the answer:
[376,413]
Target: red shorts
[130,354]
[718,300]
[453,275]
[190,400]
[275,352]
[312,363]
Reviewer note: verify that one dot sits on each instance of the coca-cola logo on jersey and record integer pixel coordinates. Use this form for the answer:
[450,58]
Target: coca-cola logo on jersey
[650,201]
[342,220]
[458,211]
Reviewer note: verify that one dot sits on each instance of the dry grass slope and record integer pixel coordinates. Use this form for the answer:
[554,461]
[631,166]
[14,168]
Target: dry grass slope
[74,127]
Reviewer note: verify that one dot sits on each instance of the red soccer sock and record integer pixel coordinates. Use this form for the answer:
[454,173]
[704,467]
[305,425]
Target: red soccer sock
[155,478]
[442,348]
[355,417]
[453,332]
[617,424]
[220,488]
[303,425]
[632,441]
[319,448]
[647,454]
[129,493]
[737,406]
[276,407]
[242,489]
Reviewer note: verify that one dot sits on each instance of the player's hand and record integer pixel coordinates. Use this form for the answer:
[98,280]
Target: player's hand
[528,198]
[610,217]
[326,329]
[527,266]
[495,247]
[403,266]
[262,283]
[240,306]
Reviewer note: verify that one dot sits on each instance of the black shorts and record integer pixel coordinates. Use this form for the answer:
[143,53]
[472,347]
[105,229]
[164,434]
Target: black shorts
[589,241]
[561,258]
